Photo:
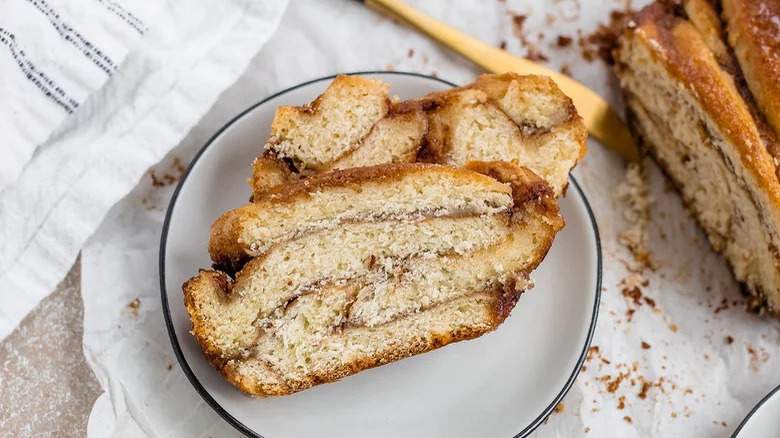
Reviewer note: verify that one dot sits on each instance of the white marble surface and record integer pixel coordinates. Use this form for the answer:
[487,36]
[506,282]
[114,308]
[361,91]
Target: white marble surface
[686,366]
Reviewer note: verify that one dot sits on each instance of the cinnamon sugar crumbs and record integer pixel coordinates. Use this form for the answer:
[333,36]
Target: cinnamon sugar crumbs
[533,52]
[621,402]
[594,350]
[645,387]
[563,41]
[757,357]
[536,55]
[600,43]
[724,304]
[132,308]
[628,419]
[634,194]
[517,24]
[645,345]
[633,293]
[613,384]
[177,169]
[559,408]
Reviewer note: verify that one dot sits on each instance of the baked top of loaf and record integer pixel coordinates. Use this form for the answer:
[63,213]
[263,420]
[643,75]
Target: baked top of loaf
[511,117]
[678,45]
[754,32]
[332,290]
[690,104]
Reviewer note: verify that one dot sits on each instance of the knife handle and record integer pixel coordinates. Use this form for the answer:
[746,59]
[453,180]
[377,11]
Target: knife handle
[600,120]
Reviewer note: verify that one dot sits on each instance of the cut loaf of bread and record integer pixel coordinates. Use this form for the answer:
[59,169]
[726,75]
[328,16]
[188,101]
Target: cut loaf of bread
[522,119]
[356,268]
[691,107]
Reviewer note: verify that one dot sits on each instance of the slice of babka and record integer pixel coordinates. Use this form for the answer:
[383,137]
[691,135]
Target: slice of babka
[356,268]
[689,101]
[523,119]
[509,117]
[353,123]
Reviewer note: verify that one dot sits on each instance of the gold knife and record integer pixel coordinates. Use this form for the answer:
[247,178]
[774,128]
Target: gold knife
[602,122]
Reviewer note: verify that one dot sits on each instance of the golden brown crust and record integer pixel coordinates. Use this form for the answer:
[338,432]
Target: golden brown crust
[207,282]
[704,17]
[754,33]
[526,185]
[677,44]
[268,171]
[230,254]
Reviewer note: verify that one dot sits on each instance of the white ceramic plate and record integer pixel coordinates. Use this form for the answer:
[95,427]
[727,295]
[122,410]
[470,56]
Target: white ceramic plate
[764,420]
[503,384]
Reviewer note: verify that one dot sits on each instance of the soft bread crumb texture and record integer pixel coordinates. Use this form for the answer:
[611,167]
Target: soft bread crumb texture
[332,124]
[348,195]
[695,123]
[325,303]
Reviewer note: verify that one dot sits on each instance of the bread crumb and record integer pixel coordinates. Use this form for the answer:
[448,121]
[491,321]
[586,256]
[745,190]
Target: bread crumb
[170,366]
[729,340]
[645,345]
[410,53]
[628,419]
[559,408]
[132,308]
[564,41]
[633,193]
[645,387]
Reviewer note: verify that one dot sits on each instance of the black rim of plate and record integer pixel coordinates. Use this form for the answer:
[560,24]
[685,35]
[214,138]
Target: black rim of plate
[164,294]
[755,409]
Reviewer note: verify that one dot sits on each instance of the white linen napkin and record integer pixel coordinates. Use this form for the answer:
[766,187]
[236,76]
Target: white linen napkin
[189,53]
[57,52]
[126,342]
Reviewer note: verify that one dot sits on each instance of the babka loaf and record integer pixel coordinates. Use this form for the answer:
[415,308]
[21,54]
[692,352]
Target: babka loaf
[699,95]
[522,119]
[356,268]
